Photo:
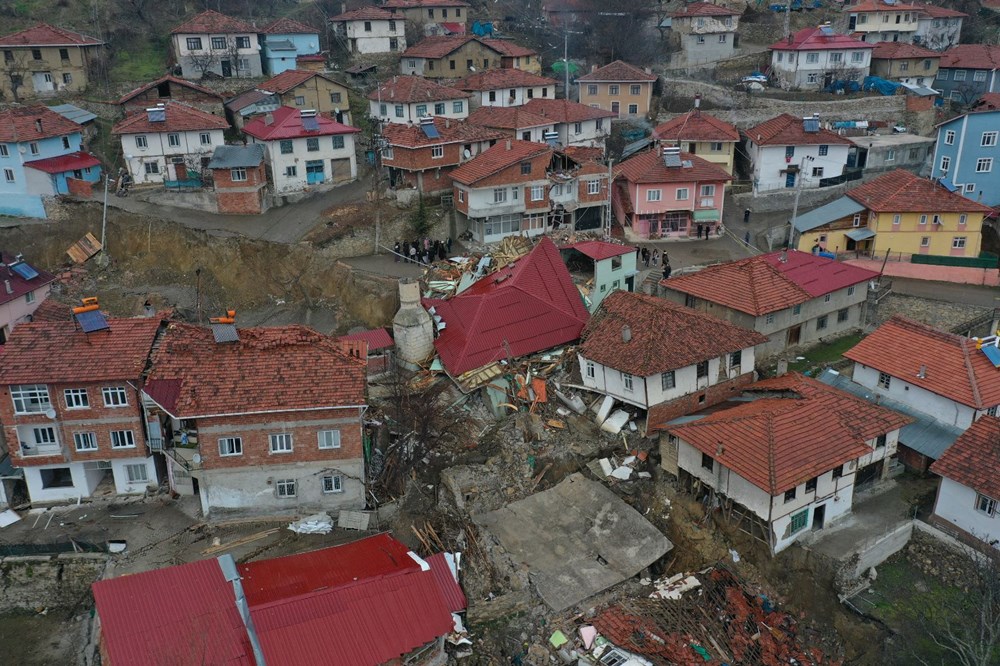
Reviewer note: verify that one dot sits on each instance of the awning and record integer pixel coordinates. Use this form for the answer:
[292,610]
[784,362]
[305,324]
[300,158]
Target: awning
[64,163]
[454,28]
[860,234]
[706,215]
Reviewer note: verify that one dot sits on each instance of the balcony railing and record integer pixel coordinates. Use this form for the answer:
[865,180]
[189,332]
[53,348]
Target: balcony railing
[35,450]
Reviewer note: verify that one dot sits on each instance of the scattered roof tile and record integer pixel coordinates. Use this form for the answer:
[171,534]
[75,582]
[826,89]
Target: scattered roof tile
[566,111]
[286,123]
[21,124]
[497,79]
[376,338]
[974,458]
[789,130]
[971,56]
[178,117]
[903,191]
[952,366]
[212,22]
[44,34]
[407,89]
[618,71]
[696,126]
[650,167]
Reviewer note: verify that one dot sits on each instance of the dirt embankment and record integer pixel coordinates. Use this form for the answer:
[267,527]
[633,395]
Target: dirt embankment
[174,266]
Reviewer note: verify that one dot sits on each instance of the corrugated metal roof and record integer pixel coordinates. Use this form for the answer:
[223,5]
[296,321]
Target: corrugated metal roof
[835,210]
[74,113]
[860,234]
[451,591]
[377,338]
[227,157]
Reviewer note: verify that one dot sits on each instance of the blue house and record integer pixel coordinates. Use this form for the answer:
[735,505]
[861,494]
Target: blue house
[967,156]
[967,71]
[40,152]
[284,40]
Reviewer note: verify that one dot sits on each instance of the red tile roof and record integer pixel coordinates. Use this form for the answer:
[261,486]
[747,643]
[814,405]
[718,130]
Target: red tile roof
[877,6]
[971,56]
[649,167]
[508,117]
[376,338]
[933,11]
[598,250]
[286,123]
[900,51]
[440,46]
[583,154]
[566,111]
[618,71]
[527,306]
[178,118]
[268,369]
[789,130]
[44,34]
[987,101]
[52,310]
[497,79]
[287,26]
[696,126]
[705,9]
[212,22]
[407,89]
[366,13]
[903,191]
[407,4]
[172,80]
[289,79]
[953,367]
[59,352]
[974,458]
[813,39]
[496,158]
[19,124]
[797,429]
[762,284]
[20,286]
[694,336]
[64,163]
[449,129]
[509,48]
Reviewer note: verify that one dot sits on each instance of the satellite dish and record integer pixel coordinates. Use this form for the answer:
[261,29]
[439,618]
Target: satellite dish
[196,458]
[467,153]
[50,413]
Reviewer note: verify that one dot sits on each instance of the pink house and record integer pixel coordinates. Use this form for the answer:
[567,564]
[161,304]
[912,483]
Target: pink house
[668,194]
[24,289]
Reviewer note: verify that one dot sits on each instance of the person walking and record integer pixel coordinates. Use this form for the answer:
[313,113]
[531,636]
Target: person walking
[746,238]
[413,253]
[656,257]
[395,252]
[746,216]
[645,257]
[449,244]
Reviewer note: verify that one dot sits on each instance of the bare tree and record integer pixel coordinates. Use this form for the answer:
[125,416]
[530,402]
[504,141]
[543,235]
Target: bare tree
[204,62]
[16,70]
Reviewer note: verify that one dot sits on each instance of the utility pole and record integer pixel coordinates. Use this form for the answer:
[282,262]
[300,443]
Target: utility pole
[377,143]
[566,60]
[103,259]
[798,193]
[607,205]
[788,18]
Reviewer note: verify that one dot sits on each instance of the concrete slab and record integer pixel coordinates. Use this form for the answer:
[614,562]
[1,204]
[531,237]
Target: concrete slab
[873,518]
[576,539]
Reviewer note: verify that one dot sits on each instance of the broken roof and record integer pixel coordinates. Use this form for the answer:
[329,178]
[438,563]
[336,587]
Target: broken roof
[974,458]
[577,539]
[644,350]
[527,306]
[796,429]
[904,191]
[173,81]
[376,338]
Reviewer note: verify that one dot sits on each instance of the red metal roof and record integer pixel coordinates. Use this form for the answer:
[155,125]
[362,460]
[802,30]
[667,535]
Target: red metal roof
[598,250]
[696,126]
[952,366]
[44,34]
[974,458]
[620,71]
[451,591]
[177,615]
[19,286]
[453,28]
[178,117]
[903,191]
[286,123]
[798,429]
[528,306]
[30,123]
[376,338]
[814,39]
[64,163]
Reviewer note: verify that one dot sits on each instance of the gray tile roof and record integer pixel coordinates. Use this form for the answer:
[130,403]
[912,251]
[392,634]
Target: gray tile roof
[228,157]
[834,210]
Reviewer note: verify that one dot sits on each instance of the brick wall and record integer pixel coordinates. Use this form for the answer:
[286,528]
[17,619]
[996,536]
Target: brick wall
[914,103]
[80,188]
[224,178]
[416,159]
[667,411]
[240,197]
[912,459]
[239,203]
[584,197]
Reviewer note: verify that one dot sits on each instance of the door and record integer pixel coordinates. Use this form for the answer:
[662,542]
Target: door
[852,22]
[227,68]
[180,171]
[790,179]
[691,148]
[794,333]
[819,515]
[616,107]
[314,171]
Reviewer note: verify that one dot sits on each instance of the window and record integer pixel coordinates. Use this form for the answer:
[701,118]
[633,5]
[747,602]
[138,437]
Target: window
[122,439]
[627,381]
[243,42]
[925,241]
[949,137]
[392,28]
[963,218]
[702,369]
[700,39]
[857,56]
[989,139]
[500,195]
[205,138]
[286,146]
[430,13]
[769,318]
[799,521]
[439,109]
[591,370]
[333,483]
[979,76]
[231,446]
[836,57]
[812,58]
[300,100]
[173,140]
[280,443]
[890,155]
[992,411]
[821,323]
[811,485]
[790,495]
[151,167]
[591,89]
[635,89]
[857,223]
[338,142]
[880,442]
[64,54]
[904,66]
[653,195]
[398,110]
[29,297]
[722,38]
[613,89]
[577,128]
[284,488]
[537,192]
[140,142]
[682,194]
[923,219]
[986,505]
[896,220]
[958,243]
[85,441]
[593,187]
[461,195]
[114,396]
[3,150]
[239,174]
[218,43]
[811,77]
[668,380]
[421,110]
[194,43]
[884,380]
[959,74]
[633,109]
[136,473]
[708,190]
[368,26]
[842,315]
[437,152]
[329,439]
[850,290]
[312,144]
[76,398]
[736,358]
[8,175]
[945,163]
[984,165]
[797,310]
[457,107]
[291,171]
[707,462]
[335,98]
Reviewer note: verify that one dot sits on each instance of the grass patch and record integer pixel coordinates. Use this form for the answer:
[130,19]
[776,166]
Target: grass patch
[141,61]
[824,354]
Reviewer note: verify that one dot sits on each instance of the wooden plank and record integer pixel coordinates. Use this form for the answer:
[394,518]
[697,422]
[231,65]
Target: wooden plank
[239,542]
[84,249]
[353,520]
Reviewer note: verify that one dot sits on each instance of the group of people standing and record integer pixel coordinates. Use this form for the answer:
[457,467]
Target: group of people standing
[646,257]
[421,251]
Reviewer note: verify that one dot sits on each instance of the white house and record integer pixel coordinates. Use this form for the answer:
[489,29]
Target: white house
[370,30]
[662,357]
[933,371]
[968,498]
[787,152]
[407,99]
[305,150]
[214,42]
[816,57]
[169,142]
[787,479]
[506,87]
[577,124]
[513,121]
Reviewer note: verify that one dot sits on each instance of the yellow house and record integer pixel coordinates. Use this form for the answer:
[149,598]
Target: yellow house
[306,89]
[44,61]
[897,212]
[879,21]
[618,87]
[703,135]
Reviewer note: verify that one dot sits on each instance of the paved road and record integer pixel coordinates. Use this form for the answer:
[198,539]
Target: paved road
[967,294]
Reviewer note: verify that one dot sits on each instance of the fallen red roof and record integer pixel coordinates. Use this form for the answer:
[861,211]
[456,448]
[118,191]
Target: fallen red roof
[414,89]
[212,22]
[619,71]
[44,34]
[498,79]
[788,130]
[286,123]
[693,336]
[815,39]
[904,191]
[376,338]
[566,111]
[64,163]
[971,56]
[451,591]
[974,458]
[598,250]
[952,366]
[650,167]
[284,368]
[497,158]
[178,117]
[21,124]
[799,428]
[696,126]
[528,306]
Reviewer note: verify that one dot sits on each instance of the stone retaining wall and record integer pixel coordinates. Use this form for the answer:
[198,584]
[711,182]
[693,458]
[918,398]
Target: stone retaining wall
[34,582]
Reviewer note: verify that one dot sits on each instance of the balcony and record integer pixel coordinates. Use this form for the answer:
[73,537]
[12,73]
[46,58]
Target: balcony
[38,450]
[185,457]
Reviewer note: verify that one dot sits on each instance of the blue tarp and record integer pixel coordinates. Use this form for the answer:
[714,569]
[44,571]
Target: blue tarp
[847,86]
[880,85]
